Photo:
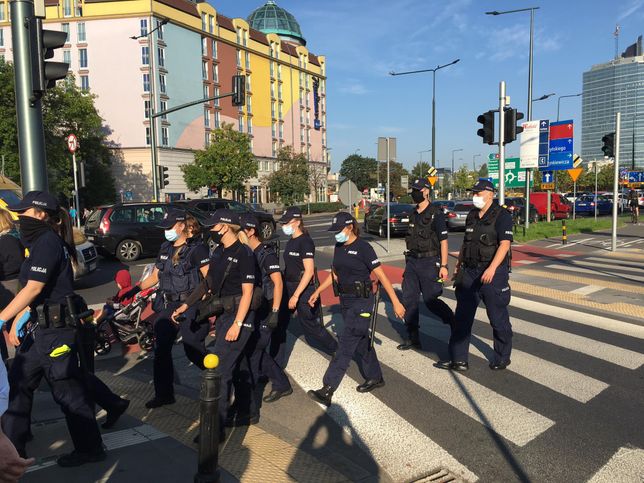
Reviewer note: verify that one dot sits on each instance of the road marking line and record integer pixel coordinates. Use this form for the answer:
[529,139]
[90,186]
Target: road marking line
[636,242]
[595,272]
[526,262]
[396,445]
[587,289]
[626,465]
[574,243]
[514,422]
[584,263]
[613,262]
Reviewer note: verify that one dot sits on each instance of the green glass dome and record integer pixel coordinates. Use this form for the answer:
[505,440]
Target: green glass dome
[271,19]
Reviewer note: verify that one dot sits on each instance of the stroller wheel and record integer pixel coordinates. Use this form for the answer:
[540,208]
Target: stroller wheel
[102,346]
[146,341]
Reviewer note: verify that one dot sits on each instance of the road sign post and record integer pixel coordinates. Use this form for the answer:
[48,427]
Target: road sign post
[502,103]
[618,120]
[574,174]
[72,145]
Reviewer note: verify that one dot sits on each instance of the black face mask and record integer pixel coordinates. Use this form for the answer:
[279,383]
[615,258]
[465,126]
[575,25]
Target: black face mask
[31,229]
[418,196]
[216,237]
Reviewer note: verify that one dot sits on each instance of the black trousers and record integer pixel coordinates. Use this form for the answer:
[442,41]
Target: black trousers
[33,361]
[165,333]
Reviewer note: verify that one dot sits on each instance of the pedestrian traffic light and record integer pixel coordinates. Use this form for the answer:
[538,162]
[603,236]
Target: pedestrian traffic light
[609,145]
[43,43]
[487,131]
[239,90]
[163,177]
[512,116]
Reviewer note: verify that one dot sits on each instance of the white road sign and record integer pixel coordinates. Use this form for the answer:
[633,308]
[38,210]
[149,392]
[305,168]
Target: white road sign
[529,152]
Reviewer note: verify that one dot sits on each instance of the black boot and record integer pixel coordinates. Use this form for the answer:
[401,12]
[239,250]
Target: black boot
[323,396]
[114,413]
[412,342]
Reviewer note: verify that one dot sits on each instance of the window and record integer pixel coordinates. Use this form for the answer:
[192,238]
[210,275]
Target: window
[204,70]
[84,82]
[216,94]
[215,73]
[164,107]
[206,117]
[279,72]
[248,89]
[203,21]
[65,28]
[274,149]
[217,119]
[161,55]
[273,110]
[164,136]
[214,49]
[211,23]
[279,91]
[239,58]
[146,109]
[204,46]
[146,82]
[149,214]
[279,110]
[239,35]
[2,17]
[281,130]
[162,85]
[78,8]
[248,60]
[122,215]
[273,89]
[249,124]
[80,32]
[249,107]
[82,58]
[241,124]
[272,69]
[274,130]
[1,30]
[147,136]
[67,57]
[206,140]
[205,91]
[144,27]
[145,55]
[67,8]
[160,28]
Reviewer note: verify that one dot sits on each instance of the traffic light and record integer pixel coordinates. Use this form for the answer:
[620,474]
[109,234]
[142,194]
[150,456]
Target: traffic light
[163,177]
[609,145]
[487,131]
[43,43]
[239,90]
[512,116]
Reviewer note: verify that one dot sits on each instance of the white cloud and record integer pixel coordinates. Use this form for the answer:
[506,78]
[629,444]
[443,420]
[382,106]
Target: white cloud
[633,7]
[354,88]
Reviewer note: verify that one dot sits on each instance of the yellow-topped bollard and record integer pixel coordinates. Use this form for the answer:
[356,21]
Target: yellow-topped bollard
[211,361]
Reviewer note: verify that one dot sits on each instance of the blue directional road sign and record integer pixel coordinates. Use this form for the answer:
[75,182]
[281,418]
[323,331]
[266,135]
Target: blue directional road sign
[544,142]
[547,176]
[636,176]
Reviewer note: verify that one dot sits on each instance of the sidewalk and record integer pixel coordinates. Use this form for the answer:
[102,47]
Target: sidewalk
[288,444]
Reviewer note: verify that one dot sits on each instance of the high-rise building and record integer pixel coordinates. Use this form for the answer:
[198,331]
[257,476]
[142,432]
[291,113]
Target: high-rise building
[615,86]
[139,56]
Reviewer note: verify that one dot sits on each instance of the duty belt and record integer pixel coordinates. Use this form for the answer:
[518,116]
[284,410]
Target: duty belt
[169,297]
[52,316]
[359,289]
[414,254]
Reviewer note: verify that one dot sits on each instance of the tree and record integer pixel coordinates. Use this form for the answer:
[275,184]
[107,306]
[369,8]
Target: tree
[361,170]
[227,163]
[464,179]
[420,169]
[317,178]
[66,110]
[291,181]
[396,171]
[483,171]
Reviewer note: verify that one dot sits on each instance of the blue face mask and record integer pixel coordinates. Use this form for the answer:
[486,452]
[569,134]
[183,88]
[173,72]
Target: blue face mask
[341,237]
[171,235]
[288,230]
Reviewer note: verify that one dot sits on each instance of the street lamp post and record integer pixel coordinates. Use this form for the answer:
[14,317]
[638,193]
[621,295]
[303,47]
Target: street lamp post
[433,71]
[529,113]
[474,161]
[453,177]
[563,97]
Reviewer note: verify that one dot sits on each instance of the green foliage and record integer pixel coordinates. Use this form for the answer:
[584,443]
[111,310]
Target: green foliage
[464,179]
[585,182]
[291,181]
[227,163]
[420,169]
[483,171]
[396,171]
[66,110]
[361,170]
[322,207]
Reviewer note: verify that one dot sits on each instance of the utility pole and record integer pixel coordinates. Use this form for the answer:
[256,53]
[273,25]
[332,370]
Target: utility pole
[502,104]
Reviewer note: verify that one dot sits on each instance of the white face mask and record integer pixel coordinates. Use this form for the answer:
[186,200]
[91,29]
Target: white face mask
[478,201]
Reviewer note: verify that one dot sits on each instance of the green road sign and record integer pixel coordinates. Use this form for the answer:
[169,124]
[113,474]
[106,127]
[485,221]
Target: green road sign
[514,174]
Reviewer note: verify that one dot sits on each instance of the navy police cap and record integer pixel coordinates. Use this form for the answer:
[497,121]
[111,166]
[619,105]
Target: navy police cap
[171,218]
[421,183]
[222,215]
[291,213]
[341,221]
[36,199]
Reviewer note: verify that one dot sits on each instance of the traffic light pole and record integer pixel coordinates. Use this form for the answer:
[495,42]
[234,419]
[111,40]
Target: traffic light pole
[618,121]
[502,102]
[31,137]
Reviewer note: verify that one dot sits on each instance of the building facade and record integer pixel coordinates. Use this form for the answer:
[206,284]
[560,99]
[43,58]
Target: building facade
[615,86]
[140,57]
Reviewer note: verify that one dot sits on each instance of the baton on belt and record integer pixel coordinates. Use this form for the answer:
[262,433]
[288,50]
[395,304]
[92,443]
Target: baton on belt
[374,316]
[84,335]
[316,284]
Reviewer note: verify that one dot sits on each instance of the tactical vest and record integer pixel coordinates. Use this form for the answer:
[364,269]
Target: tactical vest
[182,277]
[480,242]
[267,284]
[422,237]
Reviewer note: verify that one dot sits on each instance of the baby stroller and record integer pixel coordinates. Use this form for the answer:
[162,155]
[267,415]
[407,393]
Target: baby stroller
[126,323]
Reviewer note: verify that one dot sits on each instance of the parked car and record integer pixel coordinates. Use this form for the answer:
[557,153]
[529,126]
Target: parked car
[586,205]
[209,205]
[456,217]
[446,205]
[129,231]
[559,206]
[376,221]
[256,207]
[516,206]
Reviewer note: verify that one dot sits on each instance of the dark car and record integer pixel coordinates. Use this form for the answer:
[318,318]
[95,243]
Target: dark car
[516,206]
[376,221]
[129,231]
[446,205]
[209,205]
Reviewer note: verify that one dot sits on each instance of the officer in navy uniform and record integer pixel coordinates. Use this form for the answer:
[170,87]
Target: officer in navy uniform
[268,272]
[482,273]
[353,262]
[182,263]
[425,263]
[231,280]
[50,349]
[300,282]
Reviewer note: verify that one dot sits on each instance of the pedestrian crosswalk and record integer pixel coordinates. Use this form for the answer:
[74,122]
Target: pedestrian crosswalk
[528,404]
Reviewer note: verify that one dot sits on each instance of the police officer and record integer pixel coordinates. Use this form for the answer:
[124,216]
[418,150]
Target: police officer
[482,273]
[50,350]
[353,262]
[180,266]
[231,281]
[269,274]
[301,280]
[426,263]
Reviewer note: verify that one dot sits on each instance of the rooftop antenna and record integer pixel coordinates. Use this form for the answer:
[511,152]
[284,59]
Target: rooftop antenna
[616,35]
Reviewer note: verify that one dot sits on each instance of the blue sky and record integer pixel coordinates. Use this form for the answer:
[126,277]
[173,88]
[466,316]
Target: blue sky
[363,40]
